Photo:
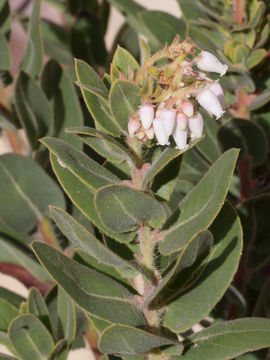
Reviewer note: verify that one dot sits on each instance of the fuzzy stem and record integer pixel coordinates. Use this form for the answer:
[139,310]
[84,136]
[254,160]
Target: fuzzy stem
[146,248]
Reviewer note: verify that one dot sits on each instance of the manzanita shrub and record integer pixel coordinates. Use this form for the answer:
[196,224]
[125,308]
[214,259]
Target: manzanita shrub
[141,260]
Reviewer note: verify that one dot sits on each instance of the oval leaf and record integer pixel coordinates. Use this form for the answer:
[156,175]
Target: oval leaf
[66,316]
[83,197]
[82,239]
[33,56]
[103,144]
[82,166]
[199,208]
[185,271]
[113,204]
[220,268]
[170,26]
[98,106]
[119,339]
[123,60]
[96,293]
[28,192]
[30,338]
[36,306]
[14,255]
[231,338]
[7,313]
[124,100]
[33,108]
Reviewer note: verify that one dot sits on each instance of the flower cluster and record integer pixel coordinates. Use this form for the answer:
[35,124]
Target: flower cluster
[177,91]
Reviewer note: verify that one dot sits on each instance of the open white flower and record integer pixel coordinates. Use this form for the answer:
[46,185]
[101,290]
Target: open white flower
[208,62]
[180,137]
[210,102]
[147,114]
[168,116]
[195,125]
[217,89]
[161,135]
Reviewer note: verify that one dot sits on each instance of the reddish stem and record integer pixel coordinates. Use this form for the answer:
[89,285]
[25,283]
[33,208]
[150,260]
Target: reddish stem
[239,11]
[25,277]
[14,141]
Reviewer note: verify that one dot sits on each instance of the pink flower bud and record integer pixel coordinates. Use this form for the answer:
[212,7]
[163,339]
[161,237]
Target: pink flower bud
[209,101]
[150,133]
[182,121]
[188,108]
[168,116]
[147,114]
[161,135]
[217,89]
[208,62]
[180,137]
[140,135]
[133,126]
[195,124]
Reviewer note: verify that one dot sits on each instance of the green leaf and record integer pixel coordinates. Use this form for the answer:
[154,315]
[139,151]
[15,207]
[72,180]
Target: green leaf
[192,10]
[259,101]
[82,239]
[5,59]
[229,339]
[83,197]
[4,340]
[36,306]
[87,170]
[11,297]
[56,42]
[162,160]
[7,313]
[246,135]
[171,26]
[30,338]
[201,40]
[5,18]
[201,205]
[124,100]
[13,255]
[60,351]
[120,339]
[86,30]
[83,258]
[103,144]
[33,56]
[122,59]
[28,193]
[255,227]
[96,293]
[131,10]
[113,206]
[60,90]
[220,268]
[98,107]
[185,270]
[66,317]
[255,57]
[209,146]
[33,108]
